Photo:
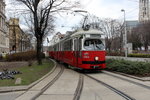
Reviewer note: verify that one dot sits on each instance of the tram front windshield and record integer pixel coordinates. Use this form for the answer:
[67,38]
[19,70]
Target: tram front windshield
[93,44]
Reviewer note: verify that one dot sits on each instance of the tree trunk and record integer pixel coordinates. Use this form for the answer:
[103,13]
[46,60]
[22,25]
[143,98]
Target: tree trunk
[146,47]
[39,51]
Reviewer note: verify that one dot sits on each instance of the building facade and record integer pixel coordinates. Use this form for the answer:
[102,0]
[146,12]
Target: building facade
[144,10]
[56,38]
[131,24]
[4,34]
[18,40]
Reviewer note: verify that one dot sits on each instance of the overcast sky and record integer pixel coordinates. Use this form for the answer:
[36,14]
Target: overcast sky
[111,8]
[102,9]
[99,8]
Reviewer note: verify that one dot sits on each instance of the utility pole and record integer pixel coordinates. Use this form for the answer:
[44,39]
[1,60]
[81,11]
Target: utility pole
[125,34]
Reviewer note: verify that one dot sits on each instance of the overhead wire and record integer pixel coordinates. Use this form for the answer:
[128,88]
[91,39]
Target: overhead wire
[129,13]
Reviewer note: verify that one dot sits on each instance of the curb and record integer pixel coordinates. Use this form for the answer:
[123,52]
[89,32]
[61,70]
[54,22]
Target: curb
[25,88]
[131,76]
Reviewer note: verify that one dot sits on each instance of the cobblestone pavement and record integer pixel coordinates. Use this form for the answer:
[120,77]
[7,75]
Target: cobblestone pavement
[4,65]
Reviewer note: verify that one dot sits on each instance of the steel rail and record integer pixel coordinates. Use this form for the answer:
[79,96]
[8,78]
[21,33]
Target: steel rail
[133,82]
[50,83]
[127,97]
[79,88]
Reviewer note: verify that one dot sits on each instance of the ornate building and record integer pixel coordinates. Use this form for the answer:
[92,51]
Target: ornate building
[56,38]
[4,36]
[19,41]
[144,10]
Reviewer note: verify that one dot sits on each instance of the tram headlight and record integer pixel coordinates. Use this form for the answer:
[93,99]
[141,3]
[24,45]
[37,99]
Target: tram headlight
[96,58]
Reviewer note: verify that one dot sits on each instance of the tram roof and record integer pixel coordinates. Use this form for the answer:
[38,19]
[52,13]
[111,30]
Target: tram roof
[81,32]
[90,31]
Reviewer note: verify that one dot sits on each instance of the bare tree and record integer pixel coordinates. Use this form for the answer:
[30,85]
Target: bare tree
[42,11]
[145,31]
[112,30]
[140,36]
[135,38]
[28,18]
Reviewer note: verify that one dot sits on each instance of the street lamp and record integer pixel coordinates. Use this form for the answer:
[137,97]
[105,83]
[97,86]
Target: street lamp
[125,35]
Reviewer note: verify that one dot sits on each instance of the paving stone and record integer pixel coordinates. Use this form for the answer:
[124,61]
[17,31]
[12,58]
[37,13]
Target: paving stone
[18,81]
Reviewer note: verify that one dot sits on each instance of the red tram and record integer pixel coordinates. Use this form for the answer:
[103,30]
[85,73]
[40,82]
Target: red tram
[82,50]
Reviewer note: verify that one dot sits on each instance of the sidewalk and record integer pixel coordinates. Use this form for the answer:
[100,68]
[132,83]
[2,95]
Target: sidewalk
[129,58]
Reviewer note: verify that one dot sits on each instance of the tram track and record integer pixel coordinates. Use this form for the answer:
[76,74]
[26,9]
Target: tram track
[124,95]
[127,80]
[50,83]
[75,94]
[79,88]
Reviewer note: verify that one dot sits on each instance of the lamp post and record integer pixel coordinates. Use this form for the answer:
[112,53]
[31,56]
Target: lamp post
[125,34]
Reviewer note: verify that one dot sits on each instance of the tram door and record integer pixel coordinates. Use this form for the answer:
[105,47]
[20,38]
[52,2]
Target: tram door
[76,50]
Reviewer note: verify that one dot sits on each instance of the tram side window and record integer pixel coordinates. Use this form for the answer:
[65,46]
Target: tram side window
[55,48]
[68,45]
[59,46]
[50,48]
[75,45]
[80,44]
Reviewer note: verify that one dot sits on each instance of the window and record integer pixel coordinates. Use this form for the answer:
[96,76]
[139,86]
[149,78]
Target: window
[57,47]
[67,46]
[93,44]
[50,48]
[76,44]
[80,44]
[54,47]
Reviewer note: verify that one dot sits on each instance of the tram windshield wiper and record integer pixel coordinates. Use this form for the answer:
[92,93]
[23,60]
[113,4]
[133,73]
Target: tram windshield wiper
[98,47]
